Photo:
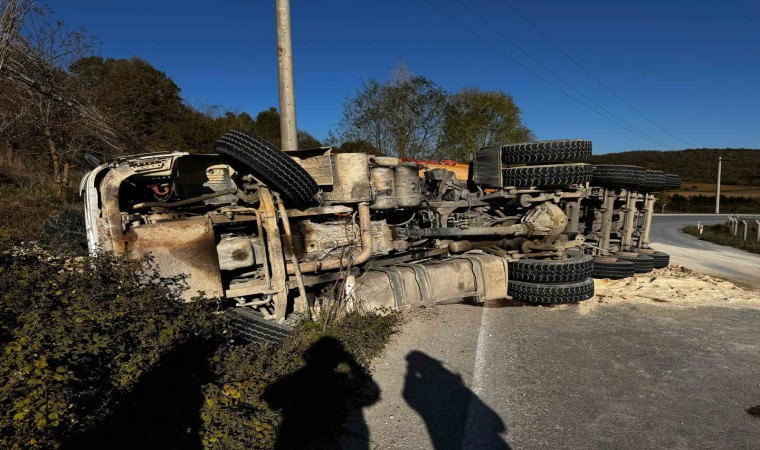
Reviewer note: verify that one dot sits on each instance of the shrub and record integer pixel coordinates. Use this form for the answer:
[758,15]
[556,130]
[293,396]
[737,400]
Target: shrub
[102,350]
[721,234]
[76,336]
[234,414]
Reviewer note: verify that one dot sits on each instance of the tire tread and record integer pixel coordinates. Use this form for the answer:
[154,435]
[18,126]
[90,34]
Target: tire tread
[574,269]
[542,152]
[551,294]
[548,176]
[268,163]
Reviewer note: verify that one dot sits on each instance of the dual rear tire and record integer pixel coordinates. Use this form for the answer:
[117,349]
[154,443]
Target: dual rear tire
[641,263]
[551,282]
[612,268]
[627,264]
[634,177]
[661,259]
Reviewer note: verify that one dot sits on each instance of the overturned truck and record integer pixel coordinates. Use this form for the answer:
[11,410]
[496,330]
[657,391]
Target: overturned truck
[278,237]
[617,217]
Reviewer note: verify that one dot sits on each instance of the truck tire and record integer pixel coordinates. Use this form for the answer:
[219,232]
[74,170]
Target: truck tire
[655,180]
[672,181]
[608,175]
[548,176]
[614,270]
[247,326]
[641,263]
[269,164]
[543,152]
[570,270]
[551,294]
[661,259]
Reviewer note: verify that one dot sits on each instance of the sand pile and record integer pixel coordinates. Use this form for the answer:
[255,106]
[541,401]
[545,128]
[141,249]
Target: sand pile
[672,286]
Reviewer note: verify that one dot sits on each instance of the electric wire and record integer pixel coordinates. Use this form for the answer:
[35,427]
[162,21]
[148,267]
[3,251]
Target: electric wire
[594,77]
[533,72]
[627,125]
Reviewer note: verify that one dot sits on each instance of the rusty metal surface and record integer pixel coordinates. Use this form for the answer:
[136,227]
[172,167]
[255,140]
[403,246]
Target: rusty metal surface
[319,167]
[383,183]
[350,179]
[268,216]
[319,211]
[111,234]
[408,185]
[180,247]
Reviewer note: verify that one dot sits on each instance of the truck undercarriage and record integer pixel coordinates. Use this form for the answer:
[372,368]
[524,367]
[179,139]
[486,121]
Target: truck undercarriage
[282,236]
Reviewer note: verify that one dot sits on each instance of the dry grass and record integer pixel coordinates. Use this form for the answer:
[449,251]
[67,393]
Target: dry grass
[27,198]
[729,190]
[721,234]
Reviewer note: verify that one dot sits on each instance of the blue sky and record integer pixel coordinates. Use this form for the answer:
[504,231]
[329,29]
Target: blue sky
[691,67]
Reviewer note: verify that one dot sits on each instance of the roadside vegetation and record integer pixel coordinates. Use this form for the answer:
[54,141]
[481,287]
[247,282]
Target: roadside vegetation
[677,203]
[103,350]
[698,168]
[741,166]
[721,234]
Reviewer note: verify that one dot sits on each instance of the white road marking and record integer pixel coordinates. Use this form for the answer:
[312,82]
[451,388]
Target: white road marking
[477,427]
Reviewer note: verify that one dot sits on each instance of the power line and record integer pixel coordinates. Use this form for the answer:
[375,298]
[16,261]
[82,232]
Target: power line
[535,74]
[595,78]
[627,125]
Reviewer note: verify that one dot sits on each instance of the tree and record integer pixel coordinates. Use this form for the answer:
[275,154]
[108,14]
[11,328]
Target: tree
[402,117]
[35,54]
[267,127]
[59,117]
[476,119]
[142,96]
[358,147]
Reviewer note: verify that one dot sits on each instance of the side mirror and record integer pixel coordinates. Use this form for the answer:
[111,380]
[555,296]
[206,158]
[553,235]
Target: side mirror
[92,160]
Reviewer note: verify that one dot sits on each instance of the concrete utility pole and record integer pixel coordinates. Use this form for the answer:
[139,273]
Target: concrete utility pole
[288,128]
[717,188]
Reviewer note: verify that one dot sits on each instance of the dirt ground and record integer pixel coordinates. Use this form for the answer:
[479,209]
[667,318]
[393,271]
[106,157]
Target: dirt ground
[671,287]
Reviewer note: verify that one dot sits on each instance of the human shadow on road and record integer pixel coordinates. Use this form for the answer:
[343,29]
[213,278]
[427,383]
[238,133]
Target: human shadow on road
[454,416]
[322,402]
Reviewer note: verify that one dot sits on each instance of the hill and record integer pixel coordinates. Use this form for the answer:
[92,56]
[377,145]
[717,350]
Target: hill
[740,166]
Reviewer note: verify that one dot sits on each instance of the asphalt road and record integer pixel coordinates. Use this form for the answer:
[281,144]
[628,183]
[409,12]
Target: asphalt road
[620,376]
[631,376]
[717,260]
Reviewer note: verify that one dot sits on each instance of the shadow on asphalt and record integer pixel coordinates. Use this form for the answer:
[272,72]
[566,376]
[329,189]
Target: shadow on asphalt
[454,416]
[322,402]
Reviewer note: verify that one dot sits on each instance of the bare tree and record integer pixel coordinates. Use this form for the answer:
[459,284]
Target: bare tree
[402,117]
[40,98]
[12,13]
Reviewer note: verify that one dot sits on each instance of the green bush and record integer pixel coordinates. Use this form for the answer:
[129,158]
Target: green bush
[234,414]
[706,204]
[76,336]
[102,350]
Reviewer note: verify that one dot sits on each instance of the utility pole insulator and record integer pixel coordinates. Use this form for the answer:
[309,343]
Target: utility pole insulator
[288,127]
